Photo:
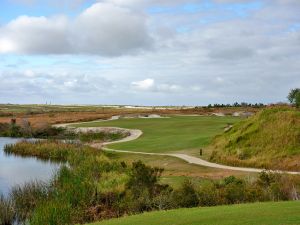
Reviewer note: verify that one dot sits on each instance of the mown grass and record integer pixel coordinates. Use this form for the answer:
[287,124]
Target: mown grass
[175,169]
[168,134]
[258,213]
[270,139]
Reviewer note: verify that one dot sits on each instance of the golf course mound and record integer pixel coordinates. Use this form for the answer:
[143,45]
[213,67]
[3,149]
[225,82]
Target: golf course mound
[270,139]
[164,135]
[273,213]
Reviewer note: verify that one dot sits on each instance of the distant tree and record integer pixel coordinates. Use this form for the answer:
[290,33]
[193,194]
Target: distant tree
[294,97]
[236,104]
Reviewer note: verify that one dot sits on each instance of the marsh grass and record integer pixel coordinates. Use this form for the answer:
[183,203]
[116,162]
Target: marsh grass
[47,150]
[53,150]
[27,197]
[52,212]
[7,212]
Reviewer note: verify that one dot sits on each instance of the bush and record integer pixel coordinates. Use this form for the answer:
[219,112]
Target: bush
[208,194]
[277,187]
[144,177]
[234,190]
[186,195]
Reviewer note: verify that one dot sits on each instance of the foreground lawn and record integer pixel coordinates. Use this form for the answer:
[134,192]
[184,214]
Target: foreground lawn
[168,134]
[273,213]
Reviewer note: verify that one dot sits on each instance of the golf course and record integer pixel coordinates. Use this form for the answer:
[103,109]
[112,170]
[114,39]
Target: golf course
[157,169]
[171,134]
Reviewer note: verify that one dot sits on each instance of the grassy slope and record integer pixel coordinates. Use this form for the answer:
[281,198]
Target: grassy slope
[176,170]
[269,139]
[274,213]
[169,134]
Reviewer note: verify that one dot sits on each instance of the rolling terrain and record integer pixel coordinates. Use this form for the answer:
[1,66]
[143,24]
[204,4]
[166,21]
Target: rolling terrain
[270,139]
[162,135]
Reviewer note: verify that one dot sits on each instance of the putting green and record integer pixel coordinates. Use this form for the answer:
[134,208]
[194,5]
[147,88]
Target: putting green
[162,135]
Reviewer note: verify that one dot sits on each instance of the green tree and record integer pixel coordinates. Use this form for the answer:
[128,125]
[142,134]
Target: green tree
[294,97]
[144,177]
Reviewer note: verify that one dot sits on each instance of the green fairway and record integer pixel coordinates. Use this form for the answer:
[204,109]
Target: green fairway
[168,134]
[273,213]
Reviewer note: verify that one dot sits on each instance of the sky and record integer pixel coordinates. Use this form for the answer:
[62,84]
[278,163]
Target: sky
[148,52]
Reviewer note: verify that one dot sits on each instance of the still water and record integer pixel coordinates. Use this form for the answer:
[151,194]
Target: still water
[15,170]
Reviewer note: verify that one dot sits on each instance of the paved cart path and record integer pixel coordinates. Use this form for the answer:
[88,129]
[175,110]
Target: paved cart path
[135,134]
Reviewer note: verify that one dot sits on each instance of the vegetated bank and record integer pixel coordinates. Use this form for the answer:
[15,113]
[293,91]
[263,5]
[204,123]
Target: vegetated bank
[255,214]
[269,139]
[91,187]
[59,133]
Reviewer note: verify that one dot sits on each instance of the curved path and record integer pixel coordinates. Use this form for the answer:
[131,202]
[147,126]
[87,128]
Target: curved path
[135,133]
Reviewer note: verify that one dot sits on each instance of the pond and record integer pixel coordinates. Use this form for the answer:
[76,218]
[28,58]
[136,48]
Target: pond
[16,170]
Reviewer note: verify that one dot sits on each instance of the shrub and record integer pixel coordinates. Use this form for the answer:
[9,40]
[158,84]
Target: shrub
[164,200]
[208,194]
[234,190]
[277,186]
[144,177]
[186,195]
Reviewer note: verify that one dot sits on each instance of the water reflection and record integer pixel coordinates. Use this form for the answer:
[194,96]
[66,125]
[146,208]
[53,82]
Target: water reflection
[16,170]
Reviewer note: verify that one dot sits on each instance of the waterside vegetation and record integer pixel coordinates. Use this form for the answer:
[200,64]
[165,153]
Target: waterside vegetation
[91,187]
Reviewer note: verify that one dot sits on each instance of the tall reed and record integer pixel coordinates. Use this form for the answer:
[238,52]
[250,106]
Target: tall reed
[7,213]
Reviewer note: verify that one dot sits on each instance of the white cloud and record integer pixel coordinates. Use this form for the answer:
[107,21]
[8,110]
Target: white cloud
[109,30]
[219,80]
[7,45]
[168,88]
[102,29]
[150,85]
[52,3]
[226,59]
[29,73]
[143,85]
[35,35]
